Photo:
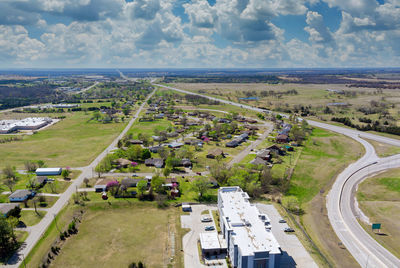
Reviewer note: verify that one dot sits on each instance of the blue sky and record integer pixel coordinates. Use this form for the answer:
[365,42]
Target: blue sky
[199,33]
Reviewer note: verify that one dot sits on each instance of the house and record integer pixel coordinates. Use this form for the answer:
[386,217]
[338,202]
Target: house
[264,154]
[122,163]
[159,138]
[5,208]
[48,171]
[259,161]
[154,162]
[135,142]
[175,145]
[232,144]
[282,138]
[155,149]
[101,185]
[21,195]
[40,181]
[159,116]
[214,153]
[276,149]
[186,162]
[129,182]
[172,134]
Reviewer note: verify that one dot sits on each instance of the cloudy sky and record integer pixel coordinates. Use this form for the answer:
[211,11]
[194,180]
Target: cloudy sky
[199,33]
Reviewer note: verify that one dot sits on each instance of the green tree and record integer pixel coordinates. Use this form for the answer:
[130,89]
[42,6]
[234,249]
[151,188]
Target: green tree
[9,172]
[145,154]
[291,203]
[65,173]
[172,162]
[201,186]
[8,241]
[297,134]
[134,152]
[142,187]
[167,171]
[157,184]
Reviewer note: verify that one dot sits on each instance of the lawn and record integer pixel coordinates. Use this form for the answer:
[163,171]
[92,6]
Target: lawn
[124,235]
[149,127]
[379,199]
[74,141]
[325,154]
[49,202]
[29,217]
[383,149]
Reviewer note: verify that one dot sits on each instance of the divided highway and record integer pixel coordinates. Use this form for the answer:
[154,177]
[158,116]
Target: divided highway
[366,250]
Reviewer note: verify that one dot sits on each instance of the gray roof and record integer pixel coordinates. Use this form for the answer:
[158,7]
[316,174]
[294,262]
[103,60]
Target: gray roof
[20,193]
[6,207]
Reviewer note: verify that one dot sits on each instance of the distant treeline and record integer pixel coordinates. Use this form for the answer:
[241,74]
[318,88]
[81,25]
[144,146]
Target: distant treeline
[271,79]
[375,126]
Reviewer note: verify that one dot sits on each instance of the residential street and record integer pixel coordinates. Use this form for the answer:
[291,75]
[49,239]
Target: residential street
[37,231]
[361,245]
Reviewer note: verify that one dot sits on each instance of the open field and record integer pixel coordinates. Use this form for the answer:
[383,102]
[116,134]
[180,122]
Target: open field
[29,217]
[122,236]
[379,199]
[324,155]
[74,141]
[149,127]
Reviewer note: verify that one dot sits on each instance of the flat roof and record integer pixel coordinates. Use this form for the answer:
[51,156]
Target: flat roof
[210,240]
[251,229]
[48,169]
[27,122]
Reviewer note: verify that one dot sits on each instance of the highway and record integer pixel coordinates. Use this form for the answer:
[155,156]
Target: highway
[38,230]
[367,251]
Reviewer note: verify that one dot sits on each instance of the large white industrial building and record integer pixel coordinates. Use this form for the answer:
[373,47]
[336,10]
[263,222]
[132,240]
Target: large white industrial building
[250,242]
[31,123]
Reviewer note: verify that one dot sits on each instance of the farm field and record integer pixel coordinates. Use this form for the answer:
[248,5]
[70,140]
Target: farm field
[74,141]
[379,199]
[114,238]
[310,183]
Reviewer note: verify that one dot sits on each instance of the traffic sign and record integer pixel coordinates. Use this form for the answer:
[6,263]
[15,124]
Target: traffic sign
[376,226]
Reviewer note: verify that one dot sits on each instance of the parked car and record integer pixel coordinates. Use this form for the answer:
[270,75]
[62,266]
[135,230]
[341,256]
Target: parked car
[135,175]
[282,221]
[198,173]
[209,228]
[288,230]
[206,219]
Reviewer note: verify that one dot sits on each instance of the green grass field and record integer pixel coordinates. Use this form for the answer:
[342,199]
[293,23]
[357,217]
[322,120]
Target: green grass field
[74,141]
[379,199]
[30,217]
[119,236]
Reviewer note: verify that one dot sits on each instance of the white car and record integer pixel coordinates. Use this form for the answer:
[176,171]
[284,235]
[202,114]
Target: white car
[206,219]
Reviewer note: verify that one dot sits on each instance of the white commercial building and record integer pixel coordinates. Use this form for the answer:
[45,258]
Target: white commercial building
[250,242]
[31,123]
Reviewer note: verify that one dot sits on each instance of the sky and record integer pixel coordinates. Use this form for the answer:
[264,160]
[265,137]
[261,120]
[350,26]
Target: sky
[199,33]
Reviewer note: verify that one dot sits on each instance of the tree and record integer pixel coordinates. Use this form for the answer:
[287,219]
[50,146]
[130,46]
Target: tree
[142,187]
[167,171]
[291,203]
[265,179]
[30,166]
[40,163]
[163,152]
[201,186]
[65,173]
[15,212]
[157,184]
[9,172]
[8,241]
[134,152]
[10,183]
[297,134]
[145,154]
[86,181]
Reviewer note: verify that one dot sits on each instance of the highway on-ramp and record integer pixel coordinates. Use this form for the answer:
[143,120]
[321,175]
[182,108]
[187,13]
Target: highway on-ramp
[366,250]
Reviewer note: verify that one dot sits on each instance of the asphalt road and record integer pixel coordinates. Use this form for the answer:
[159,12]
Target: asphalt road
[360,244]
[38,230]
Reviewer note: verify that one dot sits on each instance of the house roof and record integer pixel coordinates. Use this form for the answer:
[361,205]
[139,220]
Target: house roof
[264,153]
[104,181]
[216,152]
[122,161]
[6,207]
[282,137]
[40,179]
[20,193]
[129,182]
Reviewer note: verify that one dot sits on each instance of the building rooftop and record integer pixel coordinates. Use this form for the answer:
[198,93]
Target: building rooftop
[210,241]
[252,230]
[10,125]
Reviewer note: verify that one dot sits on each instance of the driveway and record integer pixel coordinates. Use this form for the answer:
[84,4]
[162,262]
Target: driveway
[294,254]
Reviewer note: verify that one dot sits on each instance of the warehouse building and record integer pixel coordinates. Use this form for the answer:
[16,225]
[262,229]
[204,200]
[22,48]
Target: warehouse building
[48,171]
[250,242]
[31,123]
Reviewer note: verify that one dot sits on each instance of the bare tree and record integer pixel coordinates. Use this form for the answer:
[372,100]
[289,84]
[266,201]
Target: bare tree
[10,183]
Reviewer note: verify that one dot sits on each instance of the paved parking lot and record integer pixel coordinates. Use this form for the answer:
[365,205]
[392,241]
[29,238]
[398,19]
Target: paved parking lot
[294,254]
[193,221]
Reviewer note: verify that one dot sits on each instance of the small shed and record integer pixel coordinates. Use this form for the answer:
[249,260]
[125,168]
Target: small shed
[186,207]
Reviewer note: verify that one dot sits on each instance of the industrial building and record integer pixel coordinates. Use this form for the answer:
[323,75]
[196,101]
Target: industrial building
[250,242]
[48,171]
[31,123]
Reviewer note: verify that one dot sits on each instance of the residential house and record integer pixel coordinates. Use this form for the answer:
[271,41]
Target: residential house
[135,142]
[154,162]
[264,154]
[276,149]
[214,153]
[186,162]
[175,145]
[282,138]
[232,144]
[101,184]
[129,182]
[5,208]
[21,195]
[122,163]
[40,181]
[155,149]
[259,161]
